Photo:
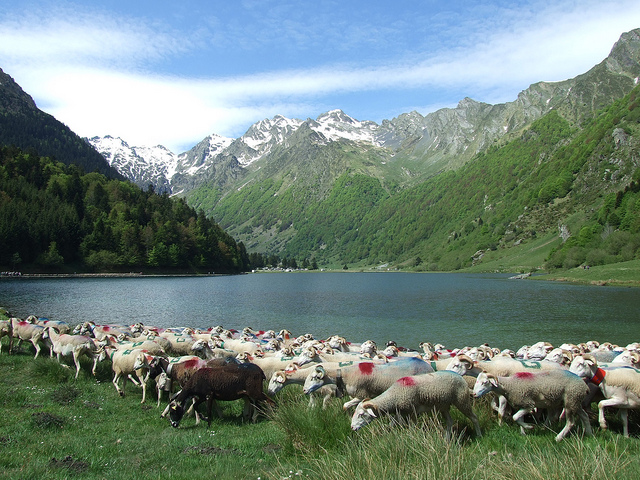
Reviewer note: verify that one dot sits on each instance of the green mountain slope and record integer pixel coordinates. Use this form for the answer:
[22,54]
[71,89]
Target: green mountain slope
[555,180]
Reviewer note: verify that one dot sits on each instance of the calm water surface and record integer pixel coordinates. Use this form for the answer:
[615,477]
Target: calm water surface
[454,309]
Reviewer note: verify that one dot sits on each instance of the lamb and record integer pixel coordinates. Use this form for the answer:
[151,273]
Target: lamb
[552,389]
[620,387]
[365,379]
[72,345]
[127,362]
[228,382]
[6,330]
[294,375]
[417,394]
[26,331]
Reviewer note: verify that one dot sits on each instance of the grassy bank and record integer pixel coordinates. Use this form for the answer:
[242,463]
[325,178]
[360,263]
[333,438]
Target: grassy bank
[624,274]
[54,427]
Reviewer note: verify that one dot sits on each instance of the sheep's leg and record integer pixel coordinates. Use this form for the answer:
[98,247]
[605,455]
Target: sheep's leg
[247,413]
[501,408]
[467,411]
[95,364]
[582,414]
[609,402]
[115,381]
[37,347]
[143,384]
[567,427]
[210,402]
[518,419]
[449,421]
[76,360]
[624,416]
[133,380]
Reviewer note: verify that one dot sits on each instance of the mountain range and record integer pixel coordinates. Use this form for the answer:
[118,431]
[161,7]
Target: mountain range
[420,145]
[330,188]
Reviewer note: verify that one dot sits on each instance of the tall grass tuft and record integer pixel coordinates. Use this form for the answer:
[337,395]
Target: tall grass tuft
[573,458]
[393,451]
[310,429]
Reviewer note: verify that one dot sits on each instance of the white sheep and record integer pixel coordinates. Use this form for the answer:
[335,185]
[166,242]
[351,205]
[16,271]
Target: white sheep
[6,330]
[29,332]
[500,366]
[365,379]
[552,389]
[205,349]
[268,364]
[417,394]
[312,354]
[293,375]
[126,363]
[65,345]
[620,387]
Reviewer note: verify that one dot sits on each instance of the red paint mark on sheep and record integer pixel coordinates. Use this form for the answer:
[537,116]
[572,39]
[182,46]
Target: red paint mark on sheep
[366,368]
[524,375]
[191,363]
[407,381]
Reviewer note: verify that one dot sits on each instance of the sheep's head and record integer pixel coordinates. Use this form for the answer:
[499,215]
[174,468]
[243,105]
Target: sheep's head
[176,412]
[558,355]
[307,355]
[314,380]
[277,382]
[369,347]
[142,361]
[584,366]
[485,383]
[461,364]
[364,414]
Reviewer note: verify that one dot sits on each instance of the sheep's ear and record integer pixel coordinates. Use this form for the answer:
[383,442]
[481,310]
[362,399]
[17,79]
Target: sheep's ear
[493,380]
[369,407]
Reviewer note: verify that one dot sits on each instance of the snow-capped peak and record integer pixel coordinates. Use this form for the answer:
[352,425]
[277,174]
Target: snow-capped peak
[262,136]
[336,125]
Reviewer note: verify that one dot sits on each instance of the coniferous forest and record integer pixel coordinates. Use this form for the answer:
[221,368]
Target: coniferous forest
[53,217]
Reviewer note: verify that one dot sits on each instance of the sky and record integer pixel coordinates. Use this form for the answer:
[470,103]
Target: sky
[173,72]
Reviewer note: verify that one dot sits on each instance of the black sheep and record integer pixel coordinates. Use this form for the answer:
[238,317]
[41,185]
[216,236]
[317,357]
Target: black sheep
[225,382]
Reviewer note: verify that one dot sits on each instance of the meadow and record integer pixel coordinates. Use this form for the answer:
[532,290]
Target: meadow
[55,427]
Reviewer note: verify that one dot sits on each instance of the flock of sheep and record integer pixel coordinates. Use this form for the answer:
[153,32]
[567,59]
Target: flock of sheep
[220,364]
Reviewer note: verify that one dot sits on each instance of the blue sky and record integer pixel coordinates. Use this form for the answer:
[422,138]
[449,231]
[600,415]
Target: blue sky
[172,72]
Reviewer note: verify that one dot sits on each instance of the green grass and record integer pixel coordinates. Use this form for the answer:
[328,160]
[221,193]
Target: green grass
[619,274]
[54,427]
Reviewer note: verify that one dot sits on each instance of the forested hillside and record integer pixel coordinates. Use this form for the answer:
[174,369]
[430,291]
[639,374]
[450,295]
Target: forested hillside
[53,217]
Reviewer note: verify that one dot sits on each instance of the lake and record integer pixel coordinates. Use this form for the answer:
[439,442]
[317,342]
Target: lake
[453,309]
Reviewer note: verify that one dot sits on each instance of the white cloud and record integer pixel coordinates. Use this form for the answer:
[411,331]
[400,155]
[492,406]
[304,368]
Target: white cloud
[93,70]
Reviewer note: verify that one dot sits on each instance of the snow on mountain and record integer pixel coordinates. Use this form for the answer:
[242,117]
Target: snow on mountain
[157,165]
[142,165]
[336,125]
[261,137]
